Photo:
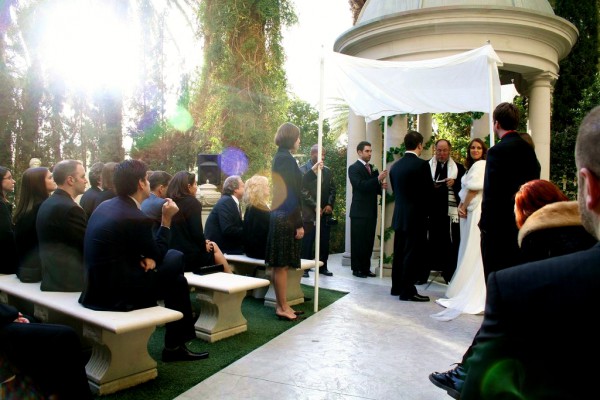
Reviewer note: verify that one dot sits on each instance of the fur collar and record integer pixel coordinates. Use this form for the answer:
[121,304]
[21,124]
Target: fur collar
[554,215]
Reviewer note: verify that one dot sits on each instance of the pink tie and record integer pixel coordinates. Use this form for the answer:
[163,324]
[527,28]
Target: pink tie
[368,168]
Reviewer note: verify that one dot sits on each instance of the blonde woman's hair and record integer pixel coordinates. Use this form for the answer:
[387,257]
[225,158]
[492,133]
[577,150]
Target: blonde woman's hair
[256,192]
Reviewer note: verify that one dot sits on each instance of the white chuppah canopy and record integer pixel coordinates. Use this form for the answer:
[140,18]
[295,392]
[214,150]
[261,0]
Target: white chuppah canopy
[373,89]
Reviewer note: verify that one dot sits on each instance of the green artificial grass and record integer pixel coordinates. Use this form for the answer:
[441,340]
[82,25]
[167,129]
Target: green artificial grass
[177,377]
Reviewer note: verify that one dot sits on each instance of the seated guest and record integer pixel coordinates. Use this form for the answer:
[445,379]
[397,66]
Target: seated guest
[224,224]
[127,268]
[187,233]
[60,226]
[549,225]
[108,190]
[7,234]
[90,198]
[49,355]
[36,186]
[152,206]
[256,217]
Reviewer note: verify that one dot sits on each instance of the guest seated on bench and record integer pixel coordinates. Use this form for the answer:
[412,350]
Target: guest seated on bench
[256,217]
[224,224]
[50,355]
[188,235]
[127,268]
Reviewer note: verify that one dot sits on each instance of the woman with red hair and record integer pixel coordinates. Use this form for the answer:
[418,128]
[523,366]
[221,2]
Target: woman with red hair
[549,225]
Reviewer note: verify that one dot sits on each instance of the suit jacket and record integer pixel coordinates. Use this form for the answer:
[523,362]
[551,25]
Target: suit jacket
[89,200]
[224,226]
[256,230]
[309,191]
[510,163]
[152,207]
[7,239]
[439,201]
[365,189]
[118,236]
[28,248]
[410,178]
[287,187]
[538,336]
[61,225]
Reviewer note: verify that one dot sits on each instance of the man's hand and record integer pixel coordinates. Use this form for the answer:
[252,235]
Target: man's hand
[449,182]
[382,175]
[148,264]
[169,209]
[317,166]
[299,233]
[21,319]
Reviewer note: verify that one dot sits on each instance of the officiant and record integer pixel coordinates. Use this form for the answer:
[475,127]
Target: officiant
[443,229]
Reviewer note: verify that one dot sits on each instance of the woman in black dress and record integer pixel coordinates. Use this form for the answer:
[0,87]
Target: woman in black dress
[7,233]
[187,234]
[285,224]
[36,186]
[256,217]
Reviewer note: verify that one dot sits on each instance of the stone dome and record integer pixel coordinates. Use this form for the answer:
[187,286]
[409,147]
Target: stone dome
[378,9]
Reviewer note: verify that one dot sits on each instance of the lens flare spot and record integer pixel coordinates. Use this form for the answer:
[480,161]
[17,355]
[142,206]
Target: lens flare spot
[181,119]
[234,161]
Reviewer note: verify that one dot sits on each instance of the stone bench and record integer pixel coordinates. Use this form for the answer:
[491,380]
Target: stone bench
[119,340]
[220,296]
[245,265]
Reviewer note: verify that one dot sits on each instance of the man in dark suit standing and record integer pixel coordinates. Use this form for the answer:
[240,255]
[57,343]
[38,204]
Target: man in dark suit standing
[537,315]
[412,186]
[60,226]
[309,206]
[224,224]
[90,197]
[510,163]
[367,184]
[128,268]
[444,230]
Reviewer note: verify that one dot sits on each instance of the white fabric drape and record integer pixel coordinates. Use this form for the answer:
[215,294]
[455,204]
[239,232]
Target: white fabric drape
[459,83]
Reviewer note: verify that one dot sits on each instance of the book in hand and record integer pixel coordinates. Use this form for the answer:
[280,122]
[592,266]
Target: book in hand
[209,269]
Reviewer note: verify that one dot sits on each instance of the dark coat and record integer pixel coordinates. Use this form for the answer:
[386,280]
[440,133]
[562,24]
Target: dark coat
[287,187]
[309,191]
[537,317]
[28,252]
[365,189]
[114,278]
[256,231]
[224,226]
[7,239]
[61,225]
[552,231]
[90,200]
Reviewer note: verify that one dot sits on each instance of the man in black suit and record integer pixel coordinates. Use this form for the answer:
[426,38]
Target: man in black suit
[309,206]
[224,224]
[128,268]
[536,339]
[152,206]
[48,354]
[412,186]
[60,226]
[444,229]
[510,163]
[90,197]
[367,184]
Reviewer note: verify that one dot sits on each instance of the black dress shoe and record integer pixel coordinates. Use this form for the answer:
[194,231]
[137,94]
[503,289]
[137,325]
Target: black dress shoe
[415,297]
[358,274]
[182,353]
[451,381]
[325,272]
[305,274]
[371,275]
[421,282]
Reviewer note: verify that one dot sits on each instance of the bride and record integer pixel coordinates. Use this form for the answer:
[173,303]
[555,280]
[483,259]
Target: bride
[466,291]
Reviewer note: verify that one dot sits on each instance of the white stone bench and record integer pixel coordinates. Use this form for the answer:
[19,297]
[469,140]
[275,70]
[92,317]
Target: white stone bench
[220,296]
[120,356]
[245,265]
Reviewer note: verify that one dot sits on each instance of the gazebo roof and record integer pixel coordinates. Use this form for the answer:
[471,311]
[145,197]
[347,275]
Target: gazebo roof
[377,9]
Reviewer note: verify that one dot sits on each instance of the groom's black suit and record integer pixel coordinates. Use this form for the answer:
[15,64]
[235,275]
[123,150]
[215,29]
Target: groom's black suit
[411,182]
[539,320]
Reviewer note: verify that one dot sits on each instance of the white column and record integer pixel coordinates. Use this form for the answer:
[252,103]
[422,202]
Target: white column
[424,127]
[356,134]
[540,99]
[481,127]
[375,137]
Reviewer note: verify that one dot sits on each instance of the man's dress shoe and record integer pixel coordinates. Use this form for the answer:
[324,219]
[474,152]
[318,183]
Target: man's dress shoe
[358,274]
[415,297]
[371,275]
[325,272]
[182,353]
[305,274]
[451,381]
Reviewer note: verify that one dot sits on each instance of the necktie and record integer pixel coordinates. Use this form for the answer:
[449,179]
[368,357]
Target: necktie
[240,210]
[368,167]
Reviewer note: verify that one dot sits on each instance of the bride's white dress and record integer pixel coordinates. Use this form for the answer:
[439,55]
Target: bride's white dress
[466,291]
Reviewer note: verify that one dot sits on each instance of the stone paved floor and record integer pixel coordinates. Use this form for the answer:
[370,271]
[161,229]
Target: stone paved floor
[367,345]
